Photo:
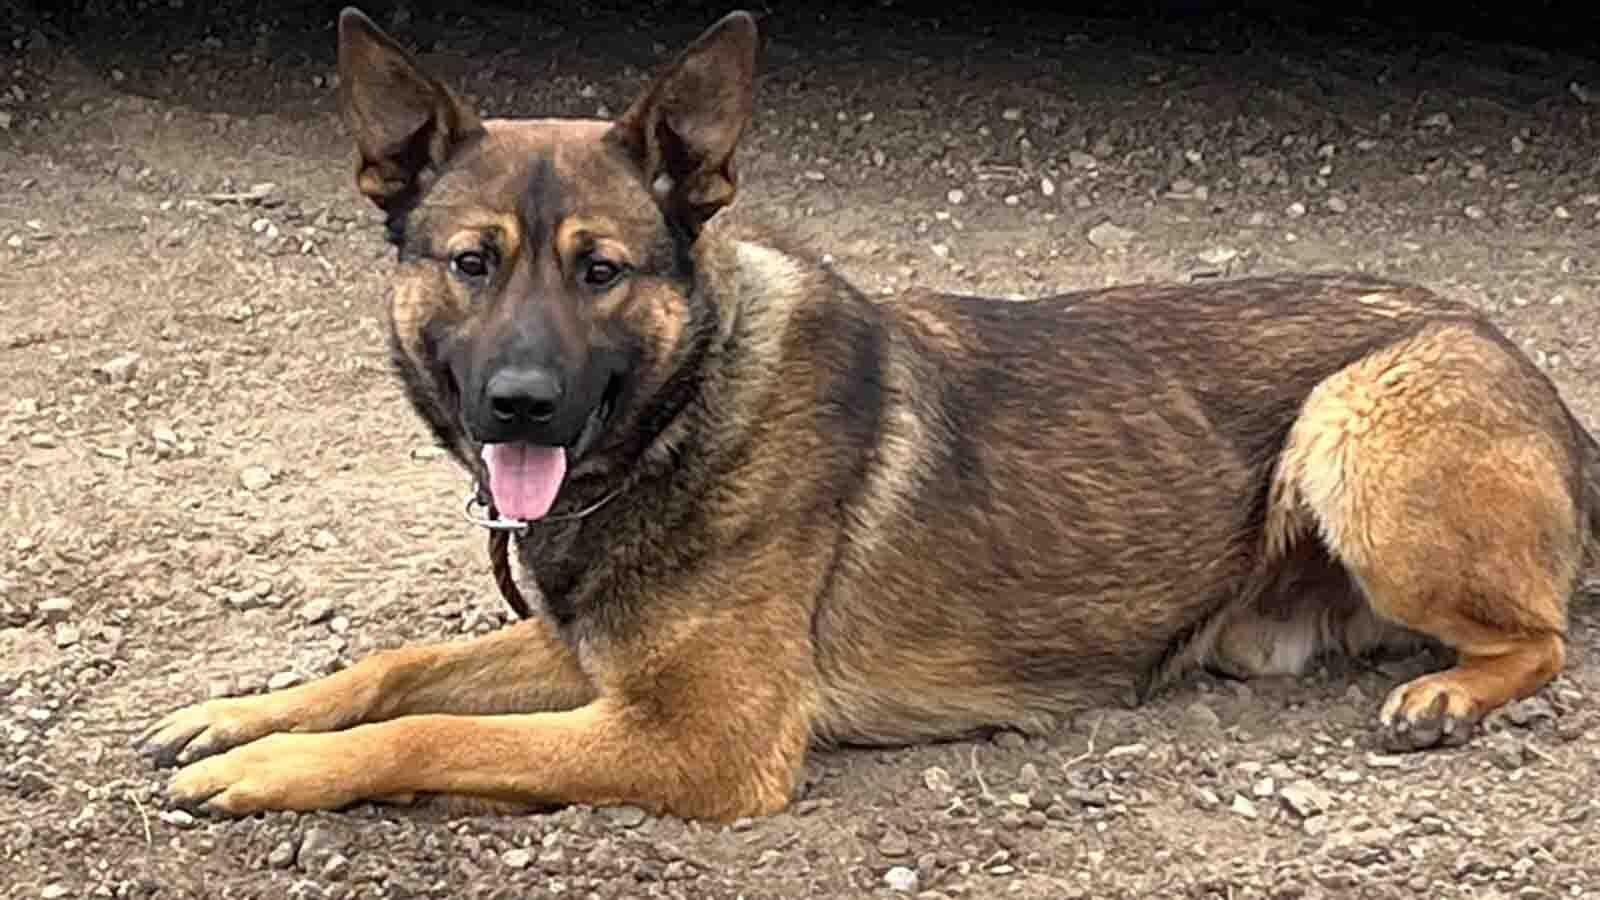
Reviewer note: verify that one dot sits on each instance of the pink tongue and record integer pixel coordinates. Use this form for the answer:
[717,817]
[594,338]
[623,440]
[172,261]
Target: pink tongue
[524,478]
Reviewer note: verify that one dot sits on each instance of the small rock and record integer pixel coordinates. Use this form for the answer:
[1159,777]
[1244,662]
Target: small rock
[316,610]
[177,818]
[1504,751]
[66,634]
[1078,159]
[1108,236]
[324,539]
[902,880]
[119,370]
[1522,713]
[624,816]
[55,609]
[339,624]
[426,453]
[318,845]
[1477,171]
[1474,212]
[956,196]
[1199,715]
[938,780]
[516,859]
[1337,204]
[1242,806]
[1123,750]
[255,478]
[1296,210]
[1305,799]
[1264,788]
[1384,761]
[336,868]
[57,891]
[1028,775]
[1009,740]
[1011,114]
[1047,186]
[284,680]
[281,856]
[894,843]
[164,437]
[941,250]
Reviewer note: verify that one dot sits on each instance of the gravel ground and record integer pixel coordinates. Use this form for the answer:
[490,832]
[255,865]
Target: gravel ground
[212,486]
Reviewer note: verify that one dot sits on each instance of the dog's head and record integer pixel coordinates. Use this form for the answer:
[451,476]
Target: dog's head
[545,292]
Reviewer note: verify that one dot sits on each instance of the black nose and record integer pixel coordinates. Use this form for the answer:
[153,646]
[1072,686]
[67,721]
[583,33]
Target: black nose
[523,396]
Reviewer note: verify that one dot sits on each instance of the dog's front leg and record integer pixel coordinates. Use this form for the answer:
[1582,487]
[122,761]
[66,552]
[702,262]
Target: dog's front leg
[704,711]
[524,667]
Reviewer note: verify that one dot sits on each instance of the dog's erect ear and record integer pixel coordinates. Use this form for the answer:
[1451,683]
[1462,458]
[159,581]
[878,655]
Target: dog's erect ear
[683,129]
[405,122]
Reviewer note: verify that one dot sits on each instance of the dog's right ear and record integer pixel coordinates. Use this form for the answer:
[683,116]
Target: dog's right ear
[404,121]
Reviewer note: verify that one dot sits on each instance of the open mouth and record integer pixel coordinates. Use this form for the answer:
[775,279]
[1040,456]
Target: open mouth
[525,478]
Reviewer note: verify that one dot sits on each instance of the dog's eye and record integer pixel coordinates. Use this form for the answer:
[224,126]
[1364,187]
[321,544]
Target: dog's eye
[601,273]
[470,264]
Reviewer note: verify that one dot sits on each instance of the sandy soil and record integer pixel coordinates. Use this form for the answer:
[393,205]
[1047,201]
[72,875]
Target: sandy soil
[210,482]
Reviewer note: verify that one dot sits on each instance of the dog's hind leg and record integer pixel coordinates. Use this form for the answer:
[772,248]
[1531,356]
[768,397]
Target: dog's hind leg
[524,667]
[1441,472]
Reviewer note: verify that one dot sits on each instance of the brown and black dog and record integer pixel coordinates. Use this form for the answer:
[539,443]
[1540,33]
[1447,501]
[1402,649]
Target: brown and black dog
[764,512]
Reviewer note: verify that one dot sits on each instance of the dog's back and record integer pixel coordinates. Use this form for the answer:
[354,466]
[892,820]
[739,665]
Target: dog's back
[1069,497]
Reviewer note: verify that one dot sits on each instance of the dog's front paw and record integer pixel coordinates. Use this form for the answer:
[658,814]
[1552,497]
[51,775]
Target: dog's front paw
[279,772]
[205,729]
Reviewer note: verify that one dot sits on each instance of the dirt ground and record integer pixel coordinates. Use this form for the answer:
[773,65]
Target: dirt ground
[211,483]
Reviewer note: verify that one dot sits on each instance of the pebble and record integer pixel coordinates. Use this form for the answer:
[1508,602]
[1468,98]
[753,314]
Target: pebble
[1047,186]
[1296,210]
[516,859]
[1305,799]
[624,816]
[120,369]
[894,843]
[316,610]
[1337,204]
[317,845]
[177,818]
[336,868]
[281,856]
[255,478]
[324,539]
[1474,212]
[902,879]
[938,780]
[55,609]
[1521,713]
[956,196]
[57,891]
[1109,236]
[283,680]
[1199,715]
[1242,806]
[1078,159]
[66,634]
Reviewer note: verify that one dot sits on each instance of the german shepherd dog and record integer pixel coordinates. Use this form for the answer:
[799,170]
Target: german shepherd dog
[765,513]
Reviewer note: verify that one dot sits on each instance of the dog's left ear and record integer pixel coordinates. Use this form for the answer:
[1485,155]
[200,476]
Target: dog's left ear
[683,129]
[404,121]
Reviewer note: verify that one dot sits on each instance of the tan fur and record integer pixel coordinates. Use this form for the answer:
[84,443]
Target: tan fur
[815,518]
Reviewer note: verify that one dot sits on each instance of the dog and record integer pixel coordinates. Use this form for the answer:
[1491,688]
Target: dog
[765,513]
